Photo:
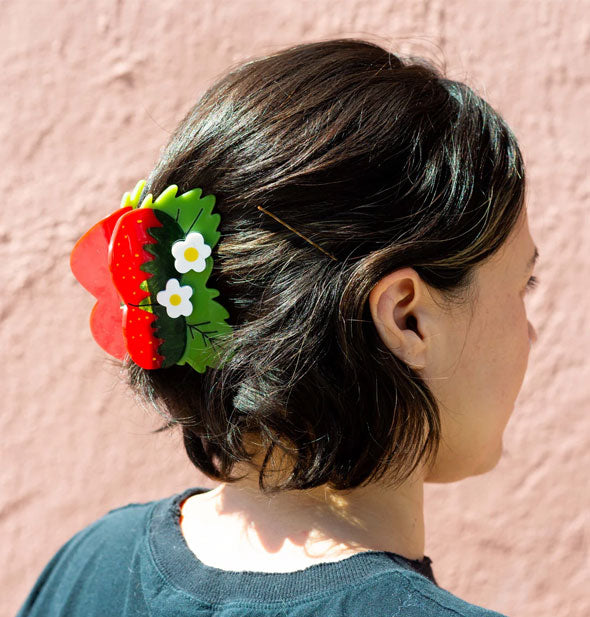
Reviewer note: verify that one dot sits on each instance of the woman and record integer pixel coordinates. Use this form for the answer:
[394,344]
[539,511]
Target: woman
[374,257]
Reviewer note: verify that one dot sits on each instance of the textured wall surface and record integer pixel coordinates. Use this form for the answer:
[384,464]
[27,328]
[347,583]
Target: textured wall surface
[90,93]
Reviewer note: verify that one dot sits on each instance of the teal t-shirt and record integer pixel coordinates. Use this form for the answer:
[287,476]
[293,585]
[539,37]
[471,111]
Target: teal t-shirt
[134,561]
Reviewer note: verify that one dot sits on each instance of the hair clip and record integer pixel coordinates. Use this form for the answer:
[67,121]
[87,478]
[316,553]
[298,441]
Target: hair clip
[148,266]
[274,216]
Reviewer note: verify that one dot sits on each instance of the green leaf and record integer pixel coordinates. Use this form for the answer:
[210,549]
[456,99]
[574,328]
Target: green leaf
[173,332]
[162,266]
[205,329]
[191,212]
[204,346]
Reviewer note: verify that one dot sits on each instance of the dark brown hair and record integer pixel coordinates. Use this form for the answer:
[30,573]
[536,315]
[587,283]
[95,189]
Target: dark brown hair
[384,163]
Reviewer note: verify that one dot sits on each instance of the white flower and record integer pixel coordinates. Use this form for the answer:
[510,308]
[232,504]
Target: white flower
[191,253]
[176,299]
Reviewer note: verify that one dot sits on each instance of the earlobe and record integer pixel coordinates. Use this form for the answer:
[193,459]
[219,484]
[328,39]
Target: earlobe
[395,304]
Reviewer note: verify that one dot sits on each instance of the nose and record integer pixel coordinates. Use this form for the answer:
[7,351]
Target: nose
[532,334]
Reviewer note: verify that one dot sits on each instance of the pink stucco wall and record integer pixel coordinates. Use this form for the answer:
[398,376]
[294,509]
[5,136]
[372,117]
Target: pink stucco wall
[90,92]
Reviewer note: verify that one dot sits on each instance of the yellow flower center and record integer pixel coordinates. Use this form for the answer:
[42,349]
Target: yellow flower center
[175,299]
[191,254]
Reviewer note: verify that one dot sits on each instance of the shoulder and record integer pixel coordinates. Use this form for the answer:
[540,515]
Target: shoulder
[413,595]
[118,531]
[93,563]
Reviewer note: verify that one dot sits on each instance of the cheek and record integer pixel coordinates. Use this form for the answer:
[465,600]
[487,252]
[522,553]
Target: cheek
[508,348]
[495,368]
[521,346]
[479,389]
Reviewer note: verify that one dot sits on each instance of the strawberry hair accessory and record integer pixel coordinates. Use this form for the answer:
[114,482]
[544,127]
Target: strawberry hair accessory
[147,266]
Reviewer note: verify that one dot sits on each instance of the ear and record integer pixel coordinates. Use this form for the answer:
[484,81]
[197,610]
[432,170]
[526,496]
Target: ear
[403,315]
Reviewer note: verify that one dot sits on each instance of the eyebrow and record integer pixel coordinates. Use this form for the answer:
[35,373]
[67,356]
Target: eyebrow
[532,260]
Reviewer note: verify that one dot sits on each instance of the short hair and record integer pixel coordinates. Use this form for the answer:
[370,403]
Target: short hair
[383,162]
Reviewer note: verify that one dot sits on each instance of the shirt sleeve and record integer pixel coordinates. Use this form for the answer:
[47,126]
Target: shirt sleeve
[91,573]
[38,602]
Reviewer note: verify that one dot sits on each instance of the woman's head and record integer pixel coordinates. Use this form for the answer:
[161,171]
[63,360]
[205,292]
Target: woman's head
[389,167]
[472,360]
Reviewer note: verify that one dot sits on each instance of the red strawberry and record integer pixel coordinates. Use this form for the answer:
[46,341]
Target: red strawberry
[89,263]
[126,255]
[142,345]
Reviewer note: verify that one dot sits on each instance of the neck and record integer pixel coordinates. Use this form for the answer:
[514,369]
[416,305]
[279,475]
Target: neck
[326,522]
